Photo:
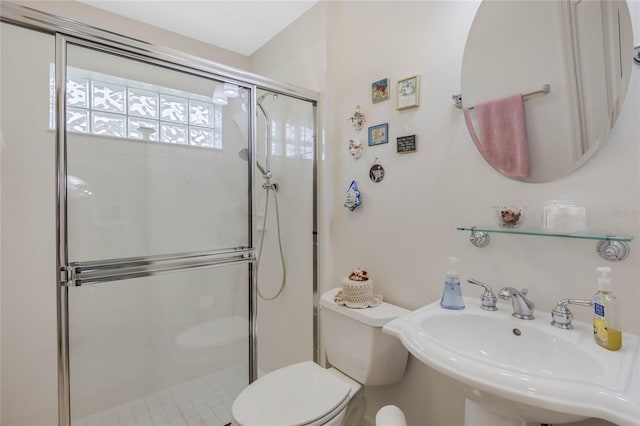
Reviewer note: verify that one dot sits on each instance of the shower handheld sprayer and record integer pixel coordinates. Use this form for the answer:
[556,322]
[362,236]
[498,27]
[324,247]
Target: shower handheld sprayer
[244,154]
[269,187]
[266,174]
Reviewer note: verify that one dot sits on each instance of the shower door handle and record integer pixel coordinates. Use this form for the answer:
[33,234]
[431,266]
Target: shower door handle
[94,272]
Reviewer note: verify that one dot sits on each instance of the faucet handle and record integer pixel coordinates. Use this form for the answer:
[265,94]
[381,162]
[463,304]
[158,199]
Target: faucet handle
[488,298]
[561,316]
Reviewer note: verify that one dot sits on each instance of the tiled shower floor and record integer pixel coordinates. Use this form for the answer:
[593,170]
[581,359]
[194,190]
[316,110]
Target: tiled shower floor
[201,402]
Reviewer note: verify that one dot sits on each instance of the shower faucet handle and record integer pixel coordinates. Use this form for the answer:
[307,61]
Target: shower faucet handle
[270,186]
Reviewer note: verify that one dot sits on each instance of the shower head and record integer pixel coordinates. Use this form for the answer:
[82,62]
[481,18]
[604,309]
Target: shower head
[244,154]
[265,94]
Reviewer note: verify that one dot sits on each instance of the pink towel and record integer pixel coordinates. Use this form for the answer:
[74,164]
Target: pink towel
[503,136]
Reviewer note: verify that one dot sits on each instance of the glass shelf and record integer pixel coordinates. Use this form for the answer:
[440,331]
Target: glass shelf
[609,247]
[518,231]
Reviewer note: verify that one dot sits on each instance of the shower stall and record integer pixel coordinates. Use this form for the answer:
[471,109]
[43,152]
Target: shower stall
[174,211]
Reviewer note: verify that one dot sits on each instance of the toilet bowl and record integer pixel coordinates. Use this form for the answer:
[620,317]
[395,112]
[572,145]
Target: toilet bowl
[307,394]
[299,394]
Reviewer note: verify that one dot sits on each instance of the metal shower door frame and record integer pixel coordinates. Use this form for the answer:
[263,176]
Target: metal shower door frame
[76,274]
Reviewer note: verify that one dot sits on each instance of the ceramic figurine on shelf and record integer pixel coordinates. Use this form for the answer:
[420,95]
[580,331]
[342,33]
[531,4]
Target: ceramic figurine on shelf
[510,216]
[357,118]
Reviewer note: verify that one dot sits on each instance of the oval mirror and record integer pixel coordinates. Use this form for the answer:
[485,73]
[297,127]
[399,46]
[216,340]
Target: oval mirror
[581,49]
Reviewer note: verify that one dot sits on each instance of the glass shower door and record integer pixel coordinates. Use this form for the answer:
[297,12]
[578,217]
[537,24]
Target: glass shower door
[158,242]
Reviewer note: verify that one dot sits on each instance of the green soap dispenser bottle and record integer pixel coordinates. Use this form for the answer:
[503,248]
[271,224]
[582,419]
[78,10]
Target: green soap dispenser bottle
[606,323]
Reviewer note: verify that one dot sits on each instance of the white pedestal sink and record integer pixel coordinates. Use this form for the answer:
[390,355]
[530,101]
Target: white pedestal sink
[526,370]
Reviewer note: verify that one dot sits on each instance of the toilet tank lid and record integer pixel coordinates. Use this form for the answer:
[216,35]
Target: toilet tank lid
[374,317]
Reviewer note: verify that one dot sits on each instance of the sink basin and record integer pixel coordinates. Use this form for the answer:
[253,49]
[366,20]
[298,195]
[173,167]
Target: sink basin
[530,369]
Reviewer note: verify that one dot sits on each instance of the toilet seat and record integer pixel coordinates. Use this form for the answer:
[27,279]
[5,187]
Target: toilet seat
[300,394]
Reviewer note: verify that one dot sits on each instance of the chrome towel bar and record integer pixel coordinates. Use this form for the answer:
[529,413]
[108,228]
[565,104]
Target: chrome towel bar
[457,99]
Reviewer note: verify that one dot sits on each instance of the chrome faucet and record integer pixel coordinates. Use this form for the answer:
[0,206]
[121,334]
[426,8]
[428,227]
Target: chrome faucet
[561,316]
[522,307]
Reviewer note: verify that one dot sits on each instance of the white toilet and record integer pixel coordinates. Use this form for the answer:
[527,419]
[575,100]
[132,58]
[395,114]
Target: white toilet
[307,394]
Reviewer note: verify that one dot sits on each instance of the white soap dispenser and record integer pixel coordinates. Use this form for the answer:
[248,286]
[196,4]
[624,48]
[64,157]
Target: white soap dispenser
[452,293]
[606,323]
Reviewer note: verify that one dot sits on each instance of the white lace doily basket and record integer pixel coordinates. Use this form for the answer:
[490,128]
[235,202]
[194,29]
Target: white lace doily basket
[358,294]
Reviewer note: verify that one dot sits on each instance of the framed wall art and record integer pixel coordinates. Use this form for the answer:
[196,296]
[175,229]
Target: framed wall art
[379,134]
[408,93]
[380,90]
[406,144]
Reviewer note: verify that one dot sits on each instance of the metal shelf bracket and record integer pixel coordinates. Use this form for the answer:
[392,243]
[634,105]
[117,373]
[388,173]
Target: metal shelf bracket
[613,251]
[479,238]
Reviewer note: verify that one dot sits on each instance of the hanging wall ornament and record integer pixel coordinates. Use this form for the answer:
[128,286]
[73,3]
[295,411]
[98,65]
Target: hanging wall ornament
[355,148]
[352,196]
[376,172]
[357,118]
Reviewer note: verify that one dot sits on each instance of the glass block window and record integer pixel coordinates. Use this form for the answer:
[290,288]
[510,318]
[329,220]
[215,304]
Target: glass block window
[201,114]
[78,92]
[143,103]
[78,119]
[139,128]
[103,123]
[174,133]
[108,97]
[201,137]
[107,105]
[174,109]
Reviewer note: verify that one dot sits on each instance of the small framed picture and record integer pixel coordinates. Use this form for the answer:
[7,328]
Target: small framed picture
[379,134]
[380,90]
[408,93]
[406,144]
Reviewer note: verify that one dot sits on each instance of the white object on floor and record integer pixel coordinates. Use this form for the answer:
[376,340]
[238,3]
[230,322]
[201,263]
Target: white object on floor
[390,415]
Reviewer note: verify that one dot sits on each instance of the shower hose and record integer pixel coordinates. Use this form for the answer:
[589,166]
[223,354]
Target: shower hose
[264,231]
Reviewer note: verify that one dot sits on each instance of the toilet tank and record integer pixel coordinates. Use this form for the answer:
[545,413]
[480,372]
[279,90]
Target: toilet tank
[355,344]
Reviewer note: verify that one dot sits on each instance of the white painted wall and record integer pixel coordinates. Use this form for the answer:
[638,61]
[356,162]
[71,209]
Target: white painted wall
[1,149]
[29,342]
[303,61]
[431,190]
[406,227]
